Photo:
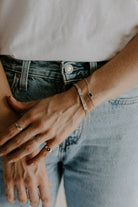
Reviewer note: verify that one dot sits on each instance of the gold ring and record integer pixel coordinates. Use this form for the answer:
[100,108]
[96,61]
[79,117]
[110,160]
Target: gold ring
[18,127]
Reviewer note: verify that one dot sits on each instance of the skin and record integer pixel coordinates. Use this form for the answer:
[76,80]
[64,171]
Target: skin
[52,119]
[32,178]
[20,174]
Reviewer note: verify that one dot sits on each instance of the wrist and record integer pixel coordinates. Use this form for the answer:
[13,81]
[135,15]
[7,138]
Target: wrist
[74,99]
[84,86]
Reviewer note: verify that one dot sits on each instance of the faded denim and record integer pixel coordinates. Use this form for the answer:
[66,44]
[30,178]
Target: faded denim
[99,160]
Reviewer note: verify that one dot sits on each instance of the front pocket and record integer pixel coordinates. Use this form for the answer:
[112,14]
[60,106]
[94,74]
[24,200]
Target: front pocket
[10,76]
[12,79]
[129,97]
[124,101]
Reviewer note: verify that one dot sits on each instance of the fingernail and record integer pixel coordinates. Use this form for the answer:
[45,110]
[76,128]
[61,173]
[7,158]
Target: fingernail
[1,154]
[12,201]
[30,163]
[10,161]
[11,97]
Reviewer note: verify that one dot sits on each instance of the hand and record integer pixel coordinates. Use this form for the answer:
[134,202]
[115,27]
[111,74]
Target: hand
[30,177]
[49,120]
[22,176]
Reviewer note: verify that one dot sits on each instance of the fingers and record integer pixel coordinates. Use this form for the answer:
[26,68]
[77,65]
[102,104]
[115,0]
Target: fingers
[44,189]
[9,190]
[9,183]
[45,194]
[20,106]
[18,141]
[33,193]
[46,150]
[28,148]
[21,191]
[12,130]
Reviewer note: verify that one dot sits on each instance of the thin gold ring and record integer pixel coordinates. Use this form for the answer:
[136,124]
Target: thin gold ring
[18,126]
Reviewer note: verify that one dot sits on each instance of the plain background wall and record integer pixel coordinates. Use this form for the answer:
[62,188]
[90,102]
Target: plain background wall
[61,201]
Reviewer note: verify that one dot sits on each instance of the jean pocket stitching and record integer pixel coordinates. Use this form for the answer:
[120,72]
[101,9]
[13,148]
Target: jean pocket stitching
[124,101]
[14,84]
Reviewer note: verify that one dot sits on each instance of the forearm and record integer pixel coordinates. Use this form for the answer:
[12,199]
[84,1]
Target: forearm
[7,116]
[116,77]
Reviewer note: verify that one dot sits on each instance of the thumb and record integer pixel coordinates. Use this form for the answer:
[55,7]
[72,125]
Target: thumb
[20,106]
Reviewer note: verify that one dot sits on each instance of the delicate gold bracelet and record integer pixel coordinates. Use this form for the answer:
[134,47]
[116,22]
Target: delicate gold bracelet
[90,95]
[81,99]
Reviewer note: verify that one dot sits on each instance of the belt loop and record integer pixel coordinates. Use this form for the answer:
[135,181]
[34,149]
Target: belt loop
[62,71]
[93,66]
[24,74]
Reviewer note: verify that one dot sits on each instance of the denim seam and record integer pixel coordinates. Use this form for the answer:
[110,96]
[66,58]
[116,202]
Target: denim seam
[24,75]
[93,66]
[13,83]
[125,101]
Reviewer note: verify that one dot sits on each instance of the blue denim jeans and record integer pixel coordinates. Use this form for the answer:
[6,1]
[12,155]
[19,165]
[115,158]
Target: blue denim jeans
[99,160]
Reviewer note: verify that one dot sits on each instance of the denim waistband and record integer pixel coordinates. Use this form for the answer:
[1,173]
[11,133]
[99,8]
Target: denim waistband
[41,67]
[56,70]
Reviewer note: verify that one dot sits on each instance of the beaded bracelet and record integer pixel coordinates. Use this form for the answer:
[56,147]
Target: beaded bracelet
[81,99]
[90,95]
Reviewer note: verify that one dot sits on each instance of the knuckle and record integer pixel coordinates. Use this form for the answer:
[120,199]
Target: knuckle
[31,116]
[28,181]
[51,132]
[41,124]
[7,178]
[18,180]
[55,137]
[10,132]
[5,150]
[28,148]
[17,141]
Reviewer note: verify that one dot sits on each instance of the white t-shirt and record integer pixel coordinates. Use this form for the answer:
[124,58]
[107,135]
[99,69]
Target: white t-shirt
[73,30]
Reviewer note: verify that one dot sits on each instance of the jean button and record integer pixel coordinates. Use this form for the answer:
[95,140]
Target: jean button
[68,69]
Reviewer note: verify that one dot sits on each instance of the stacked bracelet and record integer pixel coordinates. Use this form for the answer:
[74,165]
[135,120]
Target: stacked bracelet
[81,99]
[90,95]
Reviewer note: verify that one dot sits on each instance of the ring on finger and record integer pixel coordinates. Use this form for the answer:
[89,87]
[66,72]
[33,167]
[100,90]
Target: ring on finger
[18,127]
[47,148]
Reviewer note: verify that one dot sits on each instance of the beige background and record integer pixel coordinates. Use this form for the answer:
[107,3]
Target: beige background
[61,201]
